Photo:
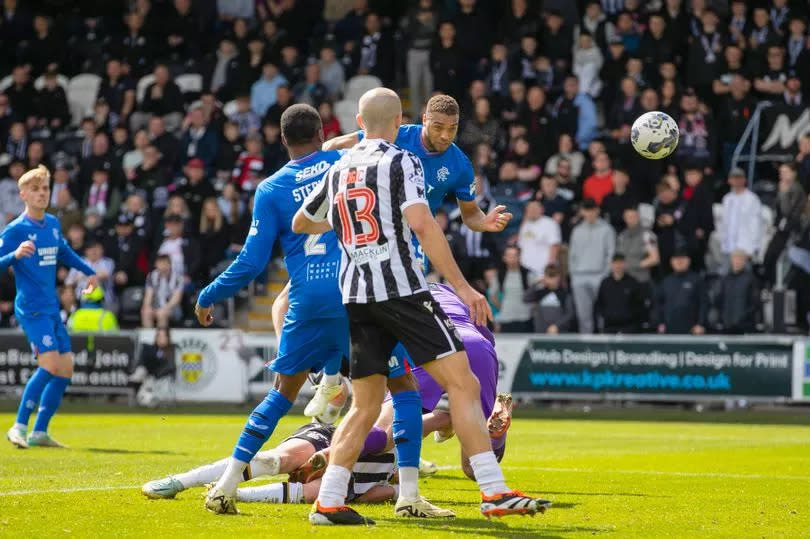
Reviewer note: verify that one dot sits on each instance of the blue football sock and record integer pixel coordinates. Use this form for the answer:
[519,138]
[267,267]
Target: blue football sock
[408,428]
[30,397]
[260,425]
[51,399]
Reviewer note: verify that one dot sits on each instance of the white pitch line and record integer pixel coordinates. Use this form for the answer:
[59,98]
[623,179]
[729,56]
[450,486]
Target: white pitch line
[719,475]
[65,490]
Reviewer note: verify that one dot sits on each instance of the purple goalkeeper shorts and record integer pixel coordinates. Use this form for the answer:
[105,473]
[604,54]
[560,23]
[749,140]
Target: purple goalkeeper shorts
[484,365]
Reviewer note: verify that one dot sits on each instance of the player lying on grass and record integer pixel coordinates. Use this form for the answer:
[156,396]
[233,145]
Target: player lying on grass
[33,244]
[371,474]
[309,460]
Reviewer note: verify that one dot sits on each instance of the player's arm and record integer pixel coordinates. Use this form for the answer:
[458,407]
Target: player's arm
[10,250]
[431,237]
[494,221]
[251,261]
[311,216]
[342,142]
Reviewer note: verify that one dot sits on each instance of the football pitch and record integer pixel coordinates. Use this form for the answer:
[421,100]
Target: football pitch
[612,474]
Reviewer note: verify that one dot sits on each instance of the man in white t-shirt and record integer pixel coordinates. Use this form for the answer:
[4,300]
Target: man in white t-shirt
[539,239]
[742,225]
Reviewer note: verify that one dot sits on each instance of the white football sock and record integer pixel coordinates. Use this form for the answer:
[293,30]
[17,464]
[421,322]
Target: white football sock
[488,473]
[232,476]
[202,475]
[334,486]
[264,464]
[331,379]
[409,482]
[272,493]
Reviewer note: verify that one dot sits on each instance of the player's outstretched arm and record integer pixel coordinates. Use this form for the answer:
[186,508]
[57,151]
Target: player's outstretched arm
[251,261]
[303,224]
[342,142]
[475,219]
[435,245]
[71,259]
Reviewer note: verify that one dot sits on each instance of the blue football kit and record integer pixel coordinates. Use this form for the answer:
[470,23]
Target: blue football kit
[37,305]
[315,333]
[447,172]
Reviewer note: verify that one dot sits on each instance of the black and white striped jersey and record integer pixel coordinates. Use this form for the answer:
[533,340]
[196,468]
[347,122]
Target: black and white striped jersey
[363,196]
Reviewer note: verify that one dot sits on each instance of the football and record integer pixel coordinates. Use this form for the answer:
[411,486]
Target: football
[654,135]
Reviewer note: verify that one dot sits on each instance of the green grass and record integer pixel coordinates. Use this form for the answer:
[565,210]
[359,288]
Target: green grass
[614,475]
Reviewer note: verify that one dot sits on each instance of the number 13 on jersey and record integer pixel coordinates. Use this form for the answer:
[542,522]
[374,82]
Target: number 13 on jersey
[364,200]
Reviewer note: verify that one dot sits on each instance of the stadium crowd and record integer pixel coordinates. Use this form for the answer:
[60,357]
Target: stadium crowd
[153,177]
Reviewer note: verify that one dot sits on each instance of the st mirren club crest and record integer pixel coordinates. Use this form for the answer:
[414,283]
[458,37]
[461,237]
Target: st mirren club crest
[197,366]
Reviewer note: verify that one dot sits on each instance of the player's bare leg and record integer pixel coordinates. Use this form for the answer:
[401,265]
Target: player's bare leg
[454,375]
[347,443]
[285,458]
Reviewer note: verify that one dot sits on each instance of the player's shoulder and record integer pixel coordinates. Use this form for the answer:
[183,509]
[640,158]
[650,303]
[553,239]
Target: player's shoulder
[407,132]
[17,222]
[457,155]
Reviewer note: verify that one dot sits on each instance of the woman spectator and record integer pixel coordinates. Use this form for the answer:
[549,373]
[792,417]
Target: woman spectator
[157,360]
[566,150]
[231,206]
[214,234]
[134,157]
[482,127]
[331,126]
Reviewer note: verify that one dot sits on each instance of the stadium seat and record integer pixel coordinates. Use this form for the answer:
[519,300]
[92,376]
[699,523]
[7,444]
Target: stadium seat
[346,111]
[39,84]
[360,84]
[131,301]
[229,108]
[189,82]
[81,95]
[143,83]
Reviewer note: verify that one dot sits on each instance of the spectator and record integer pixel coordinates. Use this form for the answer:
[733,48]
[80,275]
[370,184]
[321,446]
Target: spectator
[639,246]
[419,27]
[163,294]
[736,109]
[331,125]
[667,208]
[507,286]
[225,71]
[291,65]
[697,141]
[738,297]
[244,117]
[552,306]
[445,62]
[11,205]
[793,91]
[588,62]
[118,91]
[696,221]
[162,98]
[67,301]
[620,304]
[791,216]
[310,90]
[248,170]
[66,209]
[136,209]
[230,204]
[374,54]
[539,239]
[331,72]
[214,234]
[103,195]
[183,251]
[134,157]
[598,185]
[555,202]
[771,81]
[137,47]
[681,301]
[705,54]
[481,129]
[567,151]
[194,187]
[22,95]
[263,92]
[151,178]
[52,105]
[124,248]
[742,221]
[104,267]
[156,360]
[796,45]
[537,119]
[618,200]
[591,249]
[199,140]
[284,98]
[17,141]
[92,316]
[77,238]
[165,142]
